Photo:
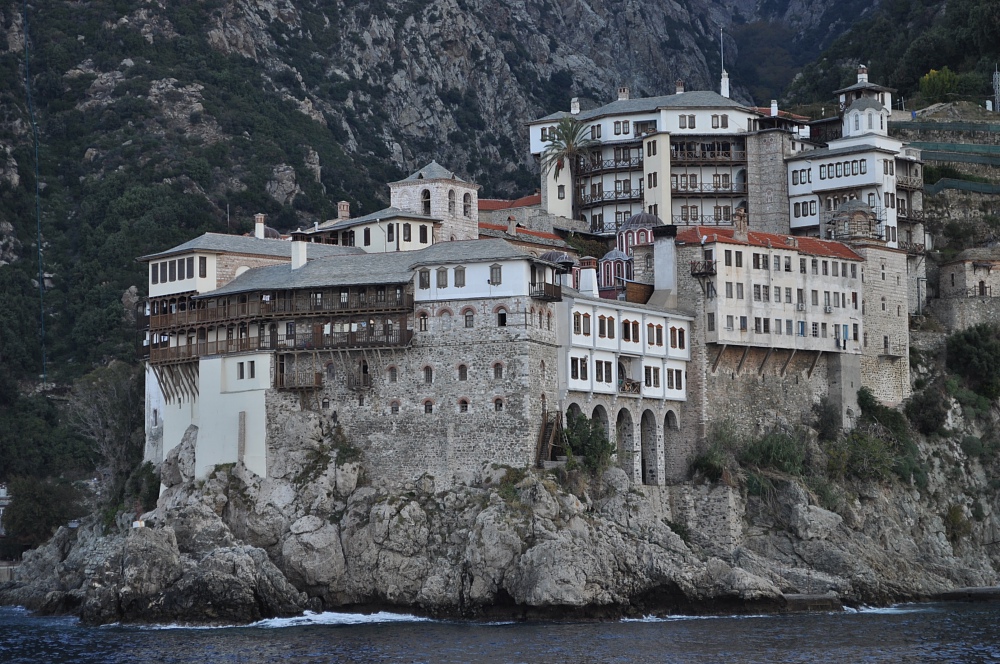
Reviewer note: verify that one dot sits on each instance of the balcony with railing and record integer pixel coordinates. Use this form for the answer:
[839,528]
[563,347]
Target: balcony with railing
[296,381]
[363,339]
[588,167]
[912,248]
[909,182]
[359,381]
[703,268]
[629,386]
[625,195]
[732,189]
[711,220]
[707,156]
[299,304]
[911,215]
[893,349]
[546,292]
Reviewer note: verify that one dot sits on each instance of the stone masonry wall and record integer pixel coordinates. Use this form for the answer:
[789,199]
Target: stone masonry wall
[446,442]
[885,369]
[767,179]
[227,264]
[958,314]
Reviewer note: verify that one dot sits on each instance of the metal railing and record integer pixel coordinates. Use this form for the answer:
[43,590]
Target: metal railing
[612,196]
[714,156]
[334,340]
[703,268]
[629,386]
[703,188]
[586,166]
[305,303]
[710,220]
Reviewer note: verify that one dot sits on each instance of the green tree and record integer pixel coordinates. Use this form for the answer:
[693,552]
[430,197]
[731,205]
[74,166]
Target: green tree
[567,145]
[588,440]
[938,85]
[974,354]
[38,507]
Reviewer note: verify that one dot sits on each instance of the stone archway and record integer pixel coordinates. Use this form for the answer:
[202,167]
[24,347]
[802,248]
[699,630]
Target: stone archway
[624,438]
[600,416]
[670,461]
[647,453]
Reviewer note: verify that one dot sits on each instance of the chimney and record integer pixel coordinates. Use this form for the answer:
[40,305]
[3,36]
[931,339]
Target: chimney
[574,106]
[741,225]
[258,226]
[588,276]
[862,74]
[512,225]
[665,258]
[774,108]
[724,88]
[300,242]
[623,93]
[680,86]
[343,210]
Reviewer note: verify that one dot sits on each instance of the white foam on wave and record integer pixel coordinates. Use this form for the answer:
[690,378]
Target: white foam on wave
[333,618]
[894,609]
[663,619]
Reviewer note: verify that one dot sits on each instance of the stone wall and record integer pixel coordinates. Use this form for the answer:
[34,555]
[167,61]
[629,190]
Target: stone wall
[961,313]
[885,364]
[767,179]
[446,442]
[226,265]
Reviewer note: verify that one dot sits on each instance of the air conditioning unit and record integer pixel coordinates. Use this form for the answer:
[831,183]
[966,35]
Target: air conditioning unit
[828,309]
[801,306]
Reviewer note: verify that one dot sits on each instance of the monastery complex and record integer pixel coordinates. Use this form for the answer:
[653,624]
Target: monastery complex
[752,270]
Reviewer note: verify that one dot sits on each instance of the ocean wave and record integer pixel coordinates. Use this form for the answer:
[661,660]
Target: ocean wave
[894,609]
[663,619]
[334,618]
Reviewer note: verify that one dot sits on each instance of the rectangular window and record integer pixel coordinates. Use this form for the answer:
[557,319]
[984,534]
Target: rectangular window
[180,270]
[424,279]
[154,273]
[767,326]
[854,329]
[815,298]
[756,292]
[574,368]
[635,331]
[599,371]
[202,267]
[368,237]
[650,338]
[788,327]
[743,323]
[729,322]
[611,327]
[459,277]
[777,326]
[756,325]
[725,121]
[618,128]
[390,233]
[788,295]
[815,329]
[690,122]
[648,376]
[715,122]
[583,368]
[739,259]
[826,268]
[406,233]
[670,379]
[822,171]
[765,293]
[683,122]
[795,177]
[252,367]
[729,290]
[739,291]
[799,296]
[823,328]
[729,257]
[442,277]
[710,322]
[423,234]
[240,371]
[172,270]
[586,325]
[496,275]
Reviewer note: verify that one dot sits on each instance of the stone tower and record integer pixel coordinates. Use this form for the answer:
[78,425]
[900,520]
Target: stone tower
[437,193]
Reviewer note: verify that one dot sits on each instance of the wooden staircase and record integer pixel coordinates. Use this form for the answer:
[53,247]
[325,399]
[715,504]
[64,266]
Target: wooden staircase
[550,438]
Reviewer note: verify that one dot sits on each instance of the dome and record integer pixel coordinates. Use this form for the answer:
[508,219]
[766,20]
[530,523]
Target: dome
[557,257]
[616,255]
[641,220]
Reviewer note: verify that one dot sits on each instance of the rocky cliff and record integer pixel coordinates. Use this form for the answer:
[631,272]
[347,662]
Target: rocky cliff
[322,534]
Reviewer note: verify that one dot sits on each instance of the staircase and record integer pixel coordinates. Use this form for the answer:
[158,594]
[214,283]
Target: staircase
[550,438]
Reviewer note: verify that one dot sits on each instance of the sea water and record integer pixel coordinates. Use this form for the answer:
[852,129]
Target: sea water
[908,633]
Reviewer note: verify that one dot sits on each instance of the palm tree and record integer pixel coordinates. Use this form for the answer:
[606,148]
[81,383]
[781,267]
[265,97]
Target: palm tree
[568,142]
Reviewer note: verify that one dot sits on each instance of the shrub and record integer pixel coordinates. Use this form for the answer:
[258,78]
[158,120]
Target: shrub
[828,419]
[926,410]
[586,439]
[38,507]
[711,463]
[956,524]
[974,354]
[972,446]
[860,456]
[778,451]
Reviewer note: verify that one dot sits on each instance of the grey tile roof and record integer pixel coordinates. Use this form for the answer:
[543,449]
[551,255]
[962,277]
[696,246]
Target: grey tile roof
[387,213]
[866,85]
[243,244]
[693,99]
[374,269]
[433,171]
[864,104]
[834,152]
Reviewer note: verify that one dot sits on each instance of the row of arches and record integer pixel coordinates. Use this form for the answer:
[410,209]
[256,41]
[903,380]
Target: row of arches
[644,459]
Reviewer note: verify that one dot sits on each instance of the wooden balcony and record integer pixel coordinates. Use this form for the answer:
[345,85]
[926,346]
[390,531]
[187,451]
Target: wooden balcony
[546,292]
[733,189]
[909,182]
[311,381]
[359,381]
[708,220]
[703,268]
[281,343]
[912,248]
[302,304]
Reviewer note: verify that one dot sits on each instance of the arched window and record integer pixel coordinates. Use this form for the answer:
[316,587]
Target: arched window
[549,323]
[883,304]
[641,238]
[394,407]
[498,370]
[467,205]
[498,405]
[428,407]
[330,371]
[463,372]
[428,375]
[470,317]
[393,374]
[422,319]
[857,118]
[425,202]
[501,317]
[326,404]
[463,405]
[871,121]
[451,201]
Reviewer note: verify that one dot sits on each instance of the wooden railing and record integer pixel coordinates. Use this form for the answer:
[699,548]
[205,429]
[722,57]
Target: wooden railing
[912,247]
[714,156]
[280,343]
[909,182]
[702,268]
[707,220]
[298,382]
[303,304]
[547,292]
[722,189]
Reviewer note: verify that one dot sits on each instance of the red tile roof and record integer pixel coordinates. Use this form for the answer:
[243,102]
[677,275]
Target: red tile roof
[804,245]
[520,231]
[489,204]
[766,110]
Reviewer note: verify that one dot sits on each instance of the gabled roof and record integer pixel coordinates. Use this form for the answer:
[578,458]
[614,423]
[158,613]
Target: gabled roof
[372,269]
[432,171]
[864,85]
[804,245]
[219,243]
[386,213]
[693,99]
[522,235]
[569,292]
[836,152]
